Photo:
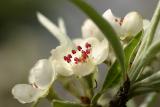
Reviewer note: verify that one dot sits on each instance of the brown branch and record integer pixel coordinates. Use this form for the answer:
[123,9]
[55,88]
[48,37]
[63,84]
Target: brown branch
[121,98]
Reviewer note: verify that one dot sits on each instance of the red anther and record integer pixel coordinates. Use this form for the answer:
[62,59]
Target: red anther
[73,51]
[68,60]
[88,51]
[65,58]
[76,62]
[69,56]
[84,55]
[79,48]
[88,45]
[76,59]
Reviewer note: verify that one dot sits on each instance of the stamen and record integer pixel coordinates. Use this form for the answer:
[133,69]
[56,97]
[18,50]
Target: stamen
[79,48]
[84,54]
[76,59]
[73,51]
[68,60]
[88,45]
[80,56]
[88,51]
[69,56]
[65,58]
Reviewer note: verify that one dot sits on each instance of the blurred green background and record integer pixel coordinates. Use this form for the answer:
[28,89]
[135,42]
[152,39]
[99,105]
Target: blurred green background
[23,40]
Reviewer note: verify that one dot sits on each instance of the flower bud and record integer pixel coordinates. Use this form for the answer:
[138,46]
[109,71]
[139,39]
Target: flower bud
[132,23]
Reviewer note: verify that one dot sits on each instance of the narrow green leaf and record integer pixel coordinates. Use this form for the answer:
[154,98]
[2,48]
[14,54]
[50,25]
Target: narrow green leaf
[105,27]
[114,73]
[57,103]
[131,48]
[142,91]
[146,42]
[113,76]
[147,57]
[154,23]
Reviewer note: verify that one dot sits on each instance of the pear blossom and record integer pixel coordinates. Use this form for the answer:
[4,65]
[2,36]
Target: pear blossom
[125,28]
[78,57]
[41,77]
[128,26]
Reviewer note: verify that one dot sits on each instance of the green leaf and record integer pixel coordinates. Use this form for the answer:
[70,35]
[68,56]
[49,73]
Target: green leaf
[113,76]
[131,48]
[57,103]
[147,57]
[146,42]
[105,27]
[154,23]
[114,73]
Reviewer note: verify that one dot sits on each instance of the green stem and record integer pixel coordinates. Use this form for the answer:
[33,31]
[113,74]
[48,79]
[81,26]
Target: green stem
[95,98]
[52,95]
[35,104]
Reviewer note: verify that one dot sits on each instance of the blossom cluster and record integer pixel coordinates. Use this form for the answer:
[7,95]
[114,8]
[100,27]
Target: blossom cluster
[76,57]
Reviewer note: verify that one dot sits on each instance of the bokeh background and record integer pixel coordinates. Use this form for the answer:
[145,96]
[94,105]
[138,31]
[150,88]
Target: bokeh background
[23,40]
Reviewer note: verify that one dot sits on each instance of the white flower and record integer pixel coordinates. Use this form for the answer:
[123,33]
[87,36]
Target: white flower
[78,57]
[125,28]
[41,78]
[82,59]
[130,25]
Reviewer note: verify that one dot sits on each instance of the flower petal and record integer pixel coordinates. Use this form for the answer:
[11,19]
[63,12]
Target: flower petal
[100,52]
[114,21]
[83,69]
[62,26]
[132,23]
[89,29]
[42,74]
[25,93]
[57,60]
[60,35]
[81,42]
[62,68]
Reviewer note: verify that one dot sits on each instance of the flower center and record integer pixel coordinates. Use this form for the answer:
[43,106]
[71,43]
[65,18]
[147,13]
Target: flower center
[119,21]
[79,55]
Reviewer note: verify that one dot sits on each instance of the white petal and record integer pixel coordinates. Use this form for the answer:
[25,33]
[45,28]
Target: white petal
[89,29]
[25,93]
[57,60]
[81,42]
[62,26]
[100,52]
[78,41]
[83,69]
[113,20]
[63,39]
[42,74]
[132,23]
